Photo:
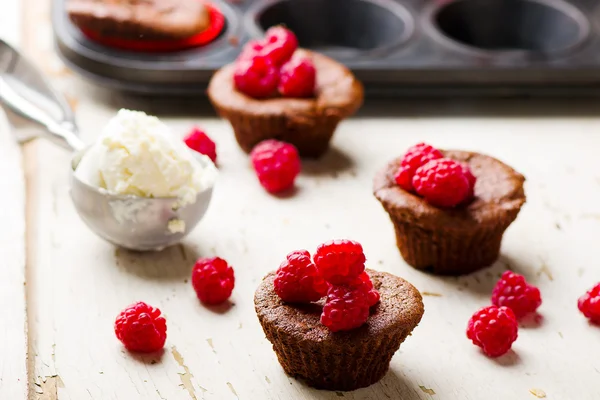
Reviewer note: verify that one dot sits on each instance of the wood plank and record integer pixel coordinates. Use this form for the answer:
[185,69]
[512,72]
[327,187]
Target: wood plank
[13,343]
[13,338]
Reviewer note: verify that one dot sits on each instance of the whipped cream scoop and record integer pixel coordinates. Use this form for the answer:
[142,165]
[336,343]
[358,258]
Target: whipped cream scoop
[138,186]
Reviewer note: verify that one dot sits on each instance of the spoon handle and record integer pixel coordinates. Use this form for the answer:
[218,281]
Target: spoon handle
[23,89]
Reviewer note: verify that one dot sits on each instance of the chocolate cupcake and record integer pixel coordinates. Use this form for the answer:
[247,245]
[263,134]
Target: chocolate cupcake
[134,19]
[461,239]
[344,360]
[307,122]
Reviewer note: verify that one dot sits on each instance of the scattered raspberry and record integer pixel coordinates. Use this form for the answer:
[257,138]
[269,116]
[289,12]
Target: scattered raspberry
[200,142]
[589,304]
[213,280]
[340,261]
[471,179]
[141,328]
[279,45]
[276,164]
[298,280]
[256,77]
[494,329]
[251,50]
[442,182]
[298,78]
[514,292]
[414,157]
[346,308]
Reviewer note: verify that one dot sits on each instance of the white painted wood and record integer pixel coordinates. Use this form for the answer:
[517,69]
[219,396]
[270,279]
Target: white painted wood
[78,283]
[13,346]
[83,282]
[13,339]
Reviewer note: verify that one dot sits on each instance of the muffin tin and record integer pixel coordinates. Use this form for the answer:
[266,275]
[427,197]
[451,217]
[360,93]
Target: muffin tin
[396,47]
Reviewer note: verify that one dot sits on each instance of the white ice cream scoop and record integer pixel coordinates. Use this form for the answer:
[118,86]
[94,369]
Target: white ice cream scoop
[137,222]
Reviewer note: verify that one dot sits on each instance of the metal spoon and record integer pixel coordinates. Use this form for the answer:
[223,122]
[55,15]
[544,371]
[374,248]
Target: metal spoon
[132,222]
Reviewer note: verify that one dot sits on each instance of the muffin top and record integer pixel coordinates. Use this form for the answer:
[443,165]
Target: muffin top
[141,20]
[337,92]
[498,193]
[400,308]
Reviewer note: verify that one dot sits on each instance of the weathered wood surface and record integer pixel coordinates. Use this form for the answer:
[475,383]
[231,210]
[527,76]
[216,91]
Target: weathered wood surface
[76,283]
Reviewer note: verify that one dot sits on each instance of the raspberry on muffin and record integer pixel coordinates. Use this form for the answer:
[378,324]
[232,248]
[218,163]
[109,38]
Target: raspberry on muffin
[275,90]
[338,335]
[449,208]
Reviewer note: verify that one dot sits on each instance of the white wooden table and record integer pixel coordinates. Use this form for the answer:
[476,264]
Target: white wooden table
[61,287]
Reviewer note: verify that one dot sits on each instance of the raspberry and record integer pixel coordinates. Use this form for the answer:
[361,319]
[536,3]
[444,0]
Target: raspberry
[589,304]
[141,328]
[200,142]
[276,164]
[414,157]
[298,78]
[256,77]
[364,282]
[213,280]
[298,280]
[471,179]
[279,45]
[442,182]
[494,329]
[250,50]
[340,261]
[346,308]
[514,292]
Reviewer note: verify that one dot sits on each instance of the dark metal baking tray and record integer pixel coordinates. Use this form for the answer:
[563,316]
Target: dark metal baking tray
[396,47]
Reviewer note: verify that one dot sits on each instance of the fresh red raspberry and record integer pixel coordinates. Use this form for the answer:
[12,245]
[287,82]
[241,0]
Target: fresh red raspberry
[471,179]
[279,45]
[340,261]
[298,280]
[363,281]
[513,291]
[251,49]
[414,157]
[256,77]
[141,328]
[213,280]
[199,141]
[298,78]
[442,182]
[276,164]
[494,329]
[589,304]
[346,307]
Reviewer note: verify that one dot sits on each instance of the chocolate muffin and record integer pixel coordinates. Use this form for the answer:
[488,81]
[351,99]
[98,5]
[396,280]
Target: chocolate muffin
[346,360]
[307,123]
[135,19]
[459,240]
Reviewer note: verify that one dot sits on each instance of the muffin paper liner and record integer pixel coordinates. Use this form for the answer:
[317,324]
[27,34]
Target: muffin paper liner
[334,367]
[449,251]
[310,134]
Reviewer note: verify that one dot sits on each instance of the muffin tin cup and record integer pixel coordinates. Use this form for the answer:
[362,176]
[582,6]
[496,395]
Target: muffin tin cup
[503,28]
[397,47]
